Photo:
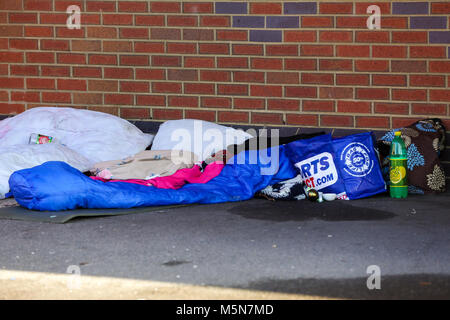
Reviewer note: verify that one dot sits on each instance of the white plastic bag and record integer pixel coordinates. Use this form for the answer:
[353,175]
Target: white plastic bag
[97,136]
[200,137]
[13,158]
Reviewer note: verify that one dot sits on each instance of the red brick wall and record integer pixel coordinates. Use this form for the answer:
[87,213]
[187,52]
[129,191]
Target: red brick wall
[277,63]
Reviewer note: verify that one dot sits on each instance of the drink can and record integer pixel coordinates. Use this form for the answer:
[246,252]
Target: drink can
[39,139]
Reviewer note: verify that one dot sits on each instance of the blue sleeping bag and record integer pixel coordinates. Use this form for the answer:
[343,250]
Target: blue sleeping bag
[55,186]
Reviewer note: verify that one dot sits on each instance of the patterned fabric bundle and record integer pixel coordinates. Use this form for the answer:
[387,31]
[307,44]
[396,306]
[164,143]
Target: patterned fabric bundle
[291,189]
[424,141]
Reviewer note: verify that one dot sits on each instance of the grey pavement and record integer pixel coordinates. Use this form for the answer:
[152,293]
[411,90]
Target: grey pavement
[321,249]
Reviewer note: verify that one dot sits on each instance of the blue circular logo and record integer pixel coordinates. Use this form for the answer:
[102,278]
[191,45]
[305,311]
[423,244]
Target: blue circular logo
[356,160]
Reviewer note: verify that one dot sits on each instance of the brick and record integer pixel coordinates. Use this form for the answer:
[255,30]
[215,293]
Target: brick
[165,7]
[24,70]
[372,65]
[182,74]
[198,34]
[40,57]
[283,77]
[440,37]
[335,65]
[302,119]
[55,71]
[134,33]
[4,45]
[247,49]
[266,91]
[11,57]
[150,74]
[118,19]
[361,8]
[56,97]
[335,8]
[317,22]
[316,50]
[440,7]
[410,8]
[317,78]
[11,31]
[233,116]
[106,6]
[166,87]
[248,76]
[215,21]
[353,107]
[53,18]
[32,31]
[266,118]
[215,102]
[183,102]
[103,59]
[108,109]
[300,64]
[372,93]
[300,36]
[61,5]
[55,45]
[440,95]
[248,22]
[167,114]
[231,7]
[427,22]
[87,72]
[201,115]
[89,19]
[426,81]
[372,36]
[245,103]
[408,66]
[427,52]
[283,104]
[440,66]
[134,60]
[352,79]
[391,108]
[233,89]
[22,17]
[335,36]
[150,100]
[283,22]
[11,108]
[335,93]
[353,51]
[199,62]
[351,22]
[389,51]
[232,35]
[232,62]
[301,92]
[134,113]
[63,32]
[88,45]
[266,63]
[119,99]
[182,48]
[300,7]
[134,86]
[11,83]
[394,22]
[265,8]
[166,61]
[318,105]
[38,5]
[197,7]
[409,94]
[11,5]
[149,47]
[215,75]
[132,6]
[409,37]
[39,83]
[4,69]
[71,84]
[153,20]
[403,122]
[101,32]
[214,48]
[388,80]
[182,21]
[103,85]
[266,35]
[372,122]
[429,109]
[336,121]
[87,98]
[25,96]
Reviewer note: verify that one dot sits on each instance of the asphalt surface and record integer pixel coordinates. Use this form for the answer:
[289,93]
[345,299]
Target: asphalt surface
[286,247]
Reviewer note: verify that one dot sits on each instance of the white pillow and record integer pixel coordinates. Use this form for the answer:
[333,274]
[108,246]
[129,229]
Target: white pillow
[200,137]
[18,157]
[97,136]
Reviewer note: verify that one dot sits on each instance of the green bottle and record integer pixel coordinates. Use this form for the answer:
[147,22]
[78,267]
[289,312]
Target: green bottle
[397,169]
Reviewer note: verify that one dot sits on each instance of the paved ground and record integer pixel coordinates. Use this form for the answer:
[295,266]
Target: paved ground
[302,248]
